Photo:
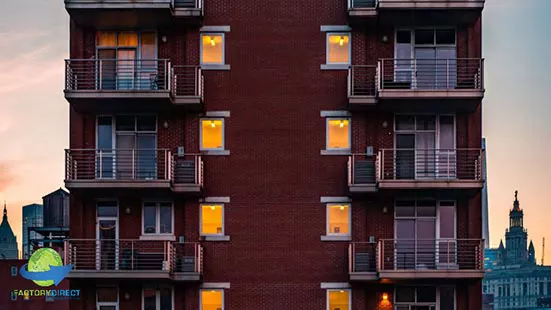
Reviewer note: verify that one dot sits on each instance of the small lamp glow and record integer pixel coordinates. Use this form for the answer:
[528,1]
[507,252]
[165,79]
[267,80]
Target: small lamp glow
[212,124]
[385,296]
[212,208]
[212,41]
[341,124]
[342,208]
[341,41]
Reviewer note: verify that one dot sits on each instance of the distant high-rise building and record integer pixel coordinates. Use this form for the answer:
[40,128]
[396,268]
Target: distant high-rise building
[485,213]
[8,241]
[32,217]
[512,276]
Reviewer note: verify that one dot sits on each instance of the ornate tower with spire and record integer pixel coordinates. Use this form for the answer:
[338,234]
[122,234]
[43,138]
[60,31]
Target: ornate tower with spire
[8,241]
[516,237]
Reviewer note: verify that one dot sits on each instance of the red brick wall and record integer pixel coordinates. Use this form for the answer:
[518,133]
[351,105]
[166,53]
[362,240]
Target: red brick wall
[275,174]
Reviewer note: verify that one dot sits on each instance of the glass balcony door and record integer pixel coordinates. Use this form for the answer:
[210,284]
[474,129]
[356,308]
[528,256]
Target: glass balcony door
[107,236]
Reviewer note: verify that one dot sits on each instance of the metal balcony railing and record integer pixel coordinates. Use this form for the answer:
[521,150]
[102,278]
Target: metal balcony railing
[430,164]
[117,164]
[430,254]
[106,2]
[187,169]
[133,255]
[431,74]
[362,81]
[187,81]
[443,3]
[362,257]
[361,169]
[122,75]
[362,4]
[187,4]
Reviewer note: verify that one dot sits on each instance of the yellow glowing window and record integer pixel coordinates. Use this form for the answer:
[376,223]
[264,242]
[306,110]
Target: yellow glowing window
[338,219]
[212,48]
[338,133]
[338,48]
[338,299]
[212,300]
[212,219]
[212,134]
[107,38]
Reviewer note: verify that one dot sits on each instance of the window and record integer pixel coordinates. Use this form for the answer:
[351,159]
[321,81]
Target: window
[107,298]
[424,297]
[157,218]
[212,134]
[338,48]
[338,134]
[212,219]
[339,299]
[157,298]
[212,48]
[338,219]
[212,299]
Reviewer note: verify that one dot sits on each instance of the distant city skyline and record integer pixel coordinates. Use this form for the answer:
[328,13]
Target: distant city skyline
[515,109]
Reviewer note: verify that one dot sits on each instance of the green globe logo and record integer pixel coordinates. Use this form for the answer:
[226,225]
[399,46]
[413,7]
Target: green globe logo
[41,260]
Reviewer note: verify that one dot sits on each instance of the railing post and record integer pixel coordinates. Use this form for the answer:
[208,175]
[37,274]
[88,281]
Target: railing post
[132,256]
[448,166]
[100,69]
[100,164]
[133,164]
[447,73]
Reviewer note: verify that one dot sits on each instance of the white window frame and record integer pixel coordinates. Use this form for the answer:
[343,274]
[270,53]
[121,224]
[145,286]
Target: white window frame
[201,219]
[338,290]
[158,218]
[201,133]
[108,303]
[327,229]
[211,289]
[157,296]
[342,33]
[327,147]
[206,33]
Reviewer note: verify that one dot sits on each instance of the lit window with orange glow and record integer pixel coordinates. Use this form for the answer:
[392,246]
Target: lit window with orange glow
[338,219]
[212,299]
[338,134]
[212,134]
[212,219]
[338,48]
[212,49]
[339,299]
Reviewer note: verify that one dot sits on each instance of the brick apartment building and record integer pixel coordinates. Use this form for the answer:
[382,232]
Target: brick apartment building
[275,154]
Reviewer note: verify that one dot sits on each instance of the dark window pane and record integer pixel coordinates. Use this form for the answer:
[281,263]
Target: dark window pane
[106,294]
[166,299]
[405,294]
[405,122]
[165,219]
[107,209]
[147,123]
[149,299]
[426,294]
[403,36]
[405,208]
[105,133]
[424,36]
[426,122]
[445,36]
[125,123]
[405,142]
[447,222]
[426,211]
[149,218]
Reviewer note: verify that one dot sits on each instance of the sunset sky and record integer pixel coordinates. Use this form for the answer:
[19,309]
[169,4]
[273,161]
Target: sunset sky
[517,110]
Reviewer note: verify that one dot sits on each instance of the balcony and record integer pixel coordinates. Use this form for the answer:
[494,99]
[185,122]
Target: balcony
[430,169]
[410,259]
[362,174]
[134,259]
[429,84]
[133,169]
[117,83]
[406,259]
[362,9]
[187,87]
[362,87]
[104,14]
[430,12]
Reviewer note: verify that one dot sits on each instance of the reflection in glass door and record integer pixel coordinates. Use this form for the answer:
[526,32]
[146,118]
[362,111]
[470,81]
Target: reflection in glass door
[107,235]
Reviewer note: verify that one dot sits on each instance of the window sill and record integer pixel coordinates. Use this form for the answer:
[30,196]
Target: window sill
[335,152]
[336,238]
[216,152]
[158,237]
[215,238]
[334,67]
[215,67]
